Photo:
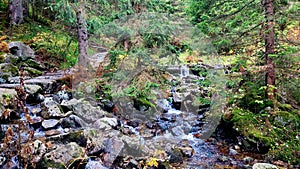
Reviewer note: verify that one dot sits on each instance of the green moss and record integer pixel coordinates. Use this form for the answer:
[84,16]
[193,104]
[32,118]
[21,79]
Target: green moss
[33,72]
[279,131]
[51,164]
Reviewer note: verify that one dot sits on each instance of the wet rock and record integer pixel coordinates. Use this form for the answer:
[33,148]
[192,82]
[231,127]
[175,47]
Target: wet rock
[187,151]
[264,166]
[175,156]
[94,165]
[100,125]
[35,122]
[62,155]
[177,131]
[87,112]
[49,124]
[73,121]
[113,122]
[52,132]
[20,49]
[2,160]
[52,109]
[113,148]
[97,139]
[134,146]
[248,160]
[232,152]
[134,123]
[39,149]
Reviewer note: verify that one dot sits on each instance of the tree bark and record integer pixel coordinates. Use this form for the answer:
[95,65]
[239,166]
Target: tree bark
[82,37]
[269,48]
[15,12]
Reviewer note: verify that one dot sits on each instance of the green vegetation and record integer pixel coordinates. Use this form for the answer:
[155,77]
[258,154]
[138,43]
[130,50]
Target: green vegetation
[138,34]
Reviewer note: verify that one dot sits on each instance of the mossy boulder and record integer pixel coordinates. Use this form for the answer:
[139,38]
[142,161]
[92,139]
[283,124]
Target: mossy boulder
[32,71]
[8,70]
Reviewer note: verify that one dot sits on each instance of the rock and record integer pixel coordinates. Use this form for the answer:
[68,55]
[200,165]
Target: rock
[177,131]
[52,109]
[100,125]
[8,92]
[33,89]
[73,121]
[62,155]
[264,166]
[94,165]
[232,152]
[8,70]
[175,156]
[2,160]
[52,132]
[187,151]
[113,122]
[49,124]
[35,122]
[87,112]
[113,147]
[32,71]
[69,104]
[223,158]
[134,146]
[248,160]
[20,49]
[39,149]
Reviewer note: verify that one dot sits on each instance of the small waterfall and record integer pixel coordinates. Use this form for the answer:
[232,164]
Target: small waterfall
[184,71]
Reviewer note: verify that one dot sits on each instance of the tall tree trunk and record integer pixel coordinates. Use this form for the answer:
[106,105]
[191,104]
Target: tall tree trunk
[15,12]
[269,47]
[82,37]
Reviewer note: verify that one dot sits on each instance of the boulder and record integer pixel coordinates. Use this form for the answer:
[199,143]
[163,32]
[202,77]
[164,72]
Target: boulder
[113,147]
[62,155]
[73,121]
[52,109]
[49,124]
[94,165]
[264,166]
[20,49]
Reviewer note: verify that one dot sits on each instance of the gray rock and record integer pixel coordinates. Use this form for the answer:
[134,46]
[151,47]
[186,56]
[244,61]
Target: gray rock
[20,49]
[177,131]
[113,147]
[264,166]
[63,95]
[39,149]
[33,89]
[113,122]
[248,160]
[63,155]
[2,160]
[94,165]
[49,124]
[70,104]
[232,152]
[52,109]
[100,125]
[87,112]
[72,121]
[9,69]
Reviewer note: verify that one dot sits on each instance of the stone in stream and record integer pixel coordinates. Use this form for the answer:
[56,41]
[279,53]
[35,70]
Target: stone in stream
[73,121]
[113,147]
[52,109]
[49,124]
[94,165]
[264,166]
[62,155]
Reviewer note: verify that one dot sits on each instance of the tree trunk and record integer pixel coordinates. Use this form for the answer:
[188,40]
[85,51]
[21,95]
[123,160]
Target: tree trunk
[82,37]
[269,48]
[15,12]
